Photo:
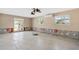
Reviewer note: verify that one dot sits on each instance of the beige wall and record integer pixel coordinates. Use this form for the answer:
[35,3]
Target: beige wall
[47,22]
[50,23]
[7,21]
[27,22]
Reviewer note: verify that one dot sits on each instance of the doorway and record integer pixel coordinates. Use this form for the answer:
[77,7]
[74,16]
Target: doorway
[18,24]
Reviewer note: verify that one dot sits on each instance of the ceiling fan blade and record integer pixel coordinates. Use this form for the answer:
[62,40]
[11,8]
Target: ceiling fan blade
[38,10]
[33,13]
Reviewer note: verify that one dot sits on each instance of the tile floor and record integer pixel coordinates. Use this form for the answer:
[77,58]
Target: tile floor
[27,41]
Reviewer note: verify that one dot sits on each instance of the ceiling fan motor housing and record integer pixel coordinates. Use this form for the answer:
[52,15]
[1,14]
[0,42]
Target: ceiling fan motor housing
[35,10]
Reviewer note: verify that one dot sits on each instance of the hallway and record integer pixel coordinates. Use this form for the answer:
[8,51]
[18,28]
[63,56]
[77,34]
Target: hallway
[27,41]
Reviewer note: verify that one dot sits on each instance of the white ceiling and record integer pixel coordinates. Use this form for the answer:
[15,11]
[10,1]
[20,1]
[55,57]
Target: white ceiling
[26,12]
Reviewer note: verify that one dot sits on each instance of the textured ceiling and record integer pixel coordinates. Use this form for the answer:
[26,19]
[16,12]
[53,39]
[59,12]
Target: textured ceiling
[26,12]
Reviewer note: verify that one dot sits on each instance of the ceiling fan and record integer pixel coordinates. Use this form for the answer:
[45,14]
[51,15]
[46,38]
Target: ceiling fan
[35,10]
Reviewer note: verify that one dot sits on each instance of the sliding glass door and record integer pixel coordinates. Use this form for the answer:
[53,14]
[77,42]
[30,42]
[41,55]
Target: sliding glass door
[18,24]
